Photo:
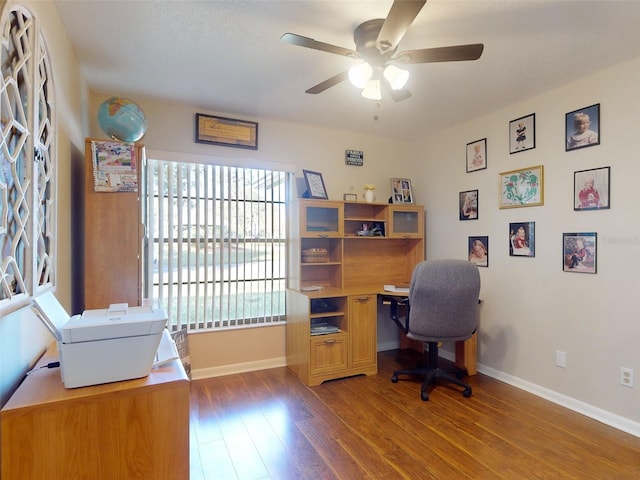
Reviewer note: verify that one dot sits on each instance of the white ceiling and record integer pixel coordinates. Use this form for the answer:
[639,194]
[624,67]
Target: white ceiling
[226,57]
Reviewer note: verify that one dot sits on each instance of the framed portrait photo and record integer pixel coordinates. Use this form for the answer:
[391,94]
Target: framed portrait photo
[522,239]
[401,190]
[315,184]
[582,128]
[468,205]
[522,133]
[591,189]
[579,252]
[477,155]
[522,188]
[479,251]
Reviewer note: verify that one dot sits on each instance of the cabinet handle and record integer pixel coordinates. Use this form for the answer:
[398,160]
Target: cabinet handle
[323,235]
[330,341]
[363,299]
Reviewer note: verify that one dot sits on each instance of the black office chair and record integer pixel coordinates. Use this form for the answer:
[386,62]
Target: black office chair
[442,306]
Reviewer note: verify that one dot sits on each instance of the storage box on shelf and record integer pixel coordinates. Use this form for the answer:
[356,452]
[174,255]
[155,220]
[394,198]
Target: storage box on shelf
[346,279]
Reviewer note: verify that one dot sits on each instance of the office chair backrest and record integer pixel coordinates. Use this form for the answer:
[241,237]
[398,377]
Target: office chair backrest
[443,299]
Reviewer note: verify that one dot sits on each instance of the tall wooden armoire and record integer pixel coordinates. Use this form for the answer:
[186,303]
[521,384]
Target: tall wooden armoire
[113,230]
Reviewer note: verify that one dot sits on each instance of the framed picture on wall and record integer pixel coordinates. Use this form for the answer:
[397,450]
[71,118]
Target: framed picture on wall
[478,249]
[477,155]
[522,239]
[591,189]
[522,188]
[522,133]
[582,128]
[580,253]
[468,205]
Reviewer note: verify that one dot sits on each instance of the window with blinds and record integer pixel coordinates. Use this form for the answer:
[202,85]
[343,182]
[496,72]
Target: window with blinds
[216,237]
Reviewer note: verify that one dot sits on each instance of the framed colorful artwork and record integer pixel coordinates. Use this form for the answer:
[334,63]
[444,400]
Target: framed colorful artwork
[522,188]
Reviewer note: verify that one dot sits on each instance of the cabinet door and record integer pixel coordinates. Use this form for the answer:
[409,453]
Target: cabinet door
[406,221]
[362,330]
[328,354]
[320,218]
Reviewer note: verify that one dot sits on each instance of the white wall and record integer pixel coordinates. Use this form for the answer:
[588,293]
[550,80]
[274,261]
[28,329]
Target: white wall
[531,306]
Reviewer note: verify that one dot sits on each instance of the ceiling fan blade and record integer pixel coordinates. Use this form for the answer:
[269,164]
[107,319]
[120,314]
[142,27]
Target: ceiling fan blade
[396,95]
[399,19]
[441,54]
[293,39]
[330,82]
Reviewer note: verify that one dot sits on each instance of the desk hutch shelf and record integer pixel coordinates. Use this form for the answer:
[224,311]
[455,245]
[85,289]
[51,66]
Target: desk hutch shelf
[364,246]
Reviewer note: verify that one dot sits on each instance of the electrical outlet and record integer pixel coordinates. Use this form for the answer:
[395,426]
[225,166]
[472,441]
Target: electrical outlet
[626,377]
[561,359]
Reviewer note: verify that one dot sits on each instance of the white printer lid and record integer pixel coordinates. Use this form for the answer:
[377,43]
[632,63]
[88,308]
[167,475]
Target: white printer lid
[50,312]
[117,321]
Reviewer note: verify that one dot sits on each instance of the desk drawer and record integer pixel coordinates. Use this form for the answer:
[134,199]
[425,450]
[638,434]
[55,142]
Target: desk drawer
[328,353]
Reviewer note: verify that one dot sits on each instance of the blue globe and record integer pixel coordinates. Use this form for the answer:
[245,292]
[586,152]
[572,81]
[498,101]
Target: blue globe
[122,119]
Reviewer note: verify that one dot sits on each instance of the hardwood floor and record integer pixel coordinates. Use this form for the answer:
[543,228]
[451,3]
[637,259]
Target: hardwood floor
[268,425]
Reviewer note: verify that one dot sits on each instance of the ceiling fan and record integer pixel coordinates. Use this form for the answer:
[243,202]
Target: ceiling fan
[376,44]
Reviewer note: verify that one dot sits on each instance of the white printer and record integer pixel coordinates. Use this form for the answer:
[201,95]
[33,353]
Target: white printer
[107,345]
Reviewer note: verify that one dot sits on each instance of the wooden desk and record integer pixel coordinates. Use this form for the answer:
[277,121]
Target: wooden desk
[136,429]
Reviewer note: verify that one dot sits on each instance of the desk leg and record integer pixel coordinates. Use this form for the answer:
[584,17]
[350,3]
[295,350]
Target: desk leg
[467,354]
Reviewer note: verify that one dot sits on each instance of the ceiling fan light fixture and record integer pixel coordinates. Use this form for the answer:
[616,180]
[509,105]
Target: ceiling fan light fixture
[396,77]
[372,90]
[360,74]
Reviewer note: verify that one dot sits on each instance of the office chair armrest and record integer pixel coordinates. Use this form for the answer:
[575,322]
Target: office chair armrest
[395,302]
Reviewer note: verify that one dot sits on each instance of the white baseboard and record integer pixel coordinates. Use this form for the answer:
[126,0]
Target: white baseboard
[591,411]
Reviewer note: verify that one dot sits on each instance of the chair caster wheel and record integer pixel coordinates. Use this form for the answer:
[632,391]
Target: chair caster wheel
[394,378]
[424,396]
[466,393]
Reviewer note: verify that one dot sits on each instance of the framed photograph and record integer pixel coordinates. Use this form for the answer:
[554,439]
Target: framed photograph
[591,189]
[522,133]
[477,155]
[479,251]
[315,184]
[468,205]
[580,252]
[401,190]
[522,239]
[522,188]
[350,197]
[226,131]
[582,128]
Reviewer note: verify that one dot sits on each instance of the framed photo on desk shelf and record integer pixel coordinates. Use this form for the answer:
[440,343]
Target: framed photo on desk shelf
[401,190]
[315,184]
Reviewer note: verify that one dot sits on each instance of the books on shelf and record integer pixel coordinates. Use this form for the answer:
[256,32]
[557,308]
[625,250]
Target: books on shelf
[323,328]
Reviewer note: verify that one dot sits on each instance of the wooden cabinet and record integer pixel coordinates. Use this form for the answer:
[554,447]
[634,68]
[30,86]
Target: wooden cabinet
[351,351]
[341,254]
[137,429]
[406,221]
[113,234]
